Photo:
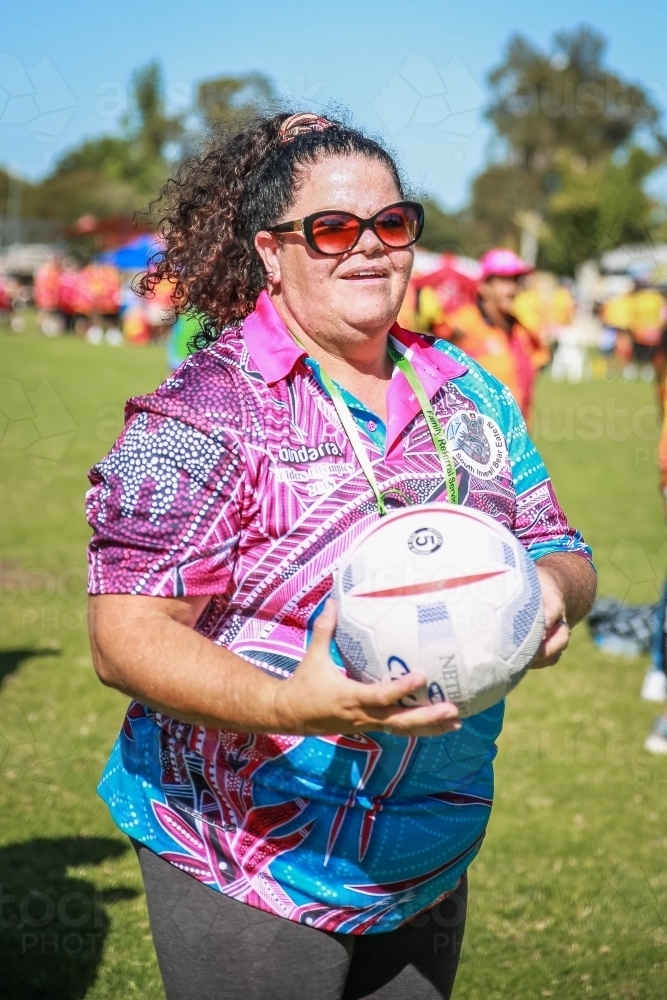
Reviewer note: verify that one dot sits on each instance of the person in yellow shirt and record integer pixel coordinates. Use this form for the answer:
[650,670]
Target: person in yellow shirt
[490,333]
[646,322]
[617,312]
[616,316]
[561,307]
[529,309]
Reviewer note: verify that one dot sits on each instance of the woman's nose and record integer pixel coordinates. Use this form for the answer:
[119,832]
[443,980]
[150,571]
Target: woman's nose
[369,242]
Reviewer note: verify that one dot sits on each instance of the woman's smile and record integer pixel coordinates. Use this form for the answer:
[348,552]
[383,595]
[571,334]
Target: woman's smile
[367,272]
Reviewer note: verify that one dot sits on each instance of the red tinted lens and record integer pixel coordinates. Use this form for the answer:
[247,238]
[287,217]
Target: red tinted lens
[335,232]
[398,226]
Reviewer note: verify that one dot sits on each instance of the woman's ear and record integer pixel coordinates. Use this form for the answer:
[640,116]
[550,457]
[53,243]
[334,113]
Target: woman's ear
[266,246]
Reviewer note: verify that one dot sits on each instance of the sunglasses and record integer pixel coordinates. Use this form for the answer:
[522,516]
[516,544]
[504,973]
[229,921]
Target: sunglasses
[333,233]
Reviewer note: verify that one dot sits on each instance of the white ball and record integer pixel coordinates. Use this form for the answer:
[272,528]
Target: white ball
[445,591]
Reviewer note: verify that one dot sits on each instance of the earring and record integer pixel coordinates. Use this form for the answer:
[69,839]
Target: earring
[269,275]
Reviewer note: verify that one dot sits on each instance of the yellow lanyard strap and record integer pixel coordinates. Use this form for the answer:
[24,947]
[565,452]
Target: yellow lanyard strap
[436,429]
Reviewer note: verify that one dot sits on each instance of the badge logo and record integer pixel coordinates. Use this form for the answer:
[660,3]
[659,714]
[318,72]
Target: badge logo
[424,541]
[477,443]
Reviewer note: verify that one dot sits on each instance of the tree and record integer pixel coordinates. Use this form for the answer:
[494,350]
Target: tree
[228,100]
[66,196]
[453,232]
[567,100]
[443,231]
[597,209]
[572,170]
[499,195]
[120,174]
[137,156]
[114,175]
[570,128]
[150,128]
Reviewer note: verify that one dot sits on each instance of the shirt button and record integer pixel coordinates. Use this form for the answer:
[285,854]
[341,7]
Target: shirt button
[372,426]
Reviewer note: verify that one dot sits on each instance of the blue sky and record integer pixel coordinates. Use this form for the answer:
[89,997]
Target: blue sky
[410,70]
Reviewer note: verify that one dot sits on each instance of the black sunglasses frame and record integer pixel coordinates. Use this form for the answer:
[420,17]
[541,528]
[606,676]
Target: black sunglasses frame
[305,226]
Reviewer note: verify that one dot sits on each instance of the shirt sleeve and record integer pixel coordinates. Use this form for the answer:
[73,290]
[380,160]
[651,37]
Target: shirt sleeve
[165,504]
[539,523]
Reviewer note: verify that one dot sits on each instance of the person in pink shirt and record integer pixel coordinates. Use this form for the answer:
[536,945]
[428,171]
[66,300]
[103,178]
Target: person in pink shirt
[300,835]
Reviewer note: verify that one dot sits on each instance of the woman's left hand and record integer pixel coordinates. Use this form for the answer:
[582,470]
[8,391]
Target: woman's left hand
[556,629]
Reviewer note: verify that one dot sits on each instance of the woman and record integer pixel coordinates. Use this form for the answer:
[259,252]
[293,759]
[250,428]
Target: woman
[299,834]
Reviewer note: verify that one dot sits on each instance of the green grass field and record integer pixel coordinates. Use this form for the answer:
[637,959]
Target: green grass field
[569,895]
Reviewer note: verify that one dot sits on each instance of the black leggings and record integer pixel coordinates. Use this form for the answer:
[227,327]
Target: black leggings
[212,947]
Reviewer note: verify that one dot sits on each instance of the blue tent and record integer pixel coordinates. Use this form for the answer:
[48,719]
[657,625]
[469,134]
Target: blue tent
[134,256]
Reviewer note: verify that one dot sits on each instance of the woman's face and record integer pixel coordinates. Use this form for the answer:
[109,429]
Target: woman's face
[362,289]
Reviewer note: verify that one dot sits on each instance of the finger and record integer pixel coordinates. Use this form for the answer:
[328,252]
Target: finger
[438,728]
[407,720]
[323,628]
[545,661]
[554,617]
[554,612]
[552,596]
[556,639]
[385,693]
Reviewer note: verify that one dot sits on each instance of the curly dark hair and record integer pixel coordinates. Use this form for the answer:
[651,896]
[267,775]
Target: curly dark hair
[240,184]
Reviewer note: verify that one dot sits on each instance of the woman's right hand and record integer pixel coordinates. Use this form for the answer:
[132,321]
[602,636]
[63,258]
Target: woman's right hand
[320,700]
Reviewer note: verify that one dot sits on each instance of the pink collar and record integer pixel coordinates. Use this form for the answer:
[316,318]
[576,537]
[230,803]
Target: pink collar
[275,353]
[270,344]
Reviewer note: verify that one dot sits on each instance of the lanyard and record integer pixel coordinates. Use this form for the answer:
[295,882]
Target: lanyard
[435,429]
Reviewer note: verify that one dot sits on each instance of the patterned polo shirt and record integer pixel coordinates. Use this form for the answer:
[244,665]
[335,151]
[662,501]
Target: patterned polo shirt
[235,480]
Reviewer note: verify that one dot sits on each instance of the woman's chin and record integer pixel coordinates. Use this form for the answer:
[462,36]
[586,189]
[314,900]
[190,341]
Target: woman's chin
[370,322]
[369,310]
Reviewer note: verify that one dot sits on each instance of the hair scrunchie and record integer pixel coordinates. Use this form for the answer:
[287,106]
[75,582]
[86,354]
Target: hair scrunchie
[301,124]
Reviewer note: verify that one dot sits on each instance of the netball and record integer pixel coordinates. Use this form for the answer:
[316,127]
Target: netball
[444,591]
